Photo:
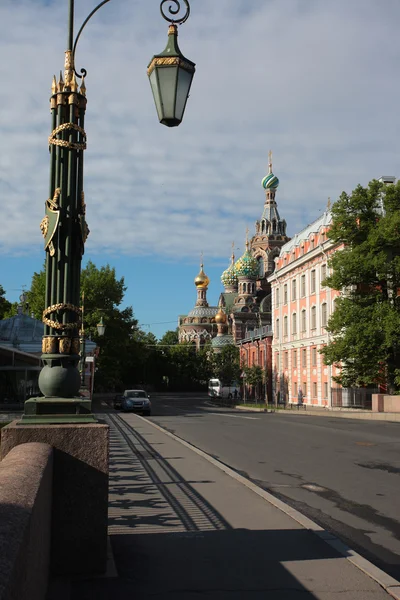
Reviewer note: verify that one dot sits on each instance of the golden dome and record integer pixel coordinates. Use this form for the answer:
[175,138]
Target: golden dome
[220,317]
[201,281]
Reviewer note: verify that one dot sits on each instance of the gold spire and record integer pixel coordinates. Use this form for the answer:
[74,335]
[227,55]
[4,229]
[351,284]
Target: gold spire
[247,238]
[269,162]
[201,281]
[220,317]
[83,87]
[54,85]
[74,83]
[68,68]
[233,252]
[328,206]
[60,86]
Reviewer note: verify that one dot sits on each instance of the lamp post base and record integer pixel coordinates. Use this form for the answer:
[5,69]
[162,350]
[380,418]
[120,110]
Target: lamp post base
[45,410]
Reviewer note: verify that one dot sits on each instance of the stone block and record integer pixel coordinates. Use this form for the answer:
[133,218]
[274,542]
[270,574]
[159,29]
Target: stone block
[80,491]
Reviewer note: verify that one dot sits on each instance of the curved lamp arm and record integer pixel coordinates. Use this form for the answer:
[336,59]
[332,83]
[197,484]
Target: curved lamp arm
[175,11]
[83,71]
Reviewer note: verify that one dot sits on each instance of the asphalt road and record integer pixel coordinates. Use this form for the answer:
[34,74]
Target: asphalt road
[342,473]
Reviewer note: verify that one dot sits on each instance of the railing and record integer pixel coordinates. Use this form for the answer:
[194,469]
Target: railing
[258,332]
[353,397]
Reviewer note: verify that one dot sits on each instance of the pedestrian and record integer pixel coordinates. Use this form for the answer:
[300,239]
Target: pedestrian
[235,394]
[300,396]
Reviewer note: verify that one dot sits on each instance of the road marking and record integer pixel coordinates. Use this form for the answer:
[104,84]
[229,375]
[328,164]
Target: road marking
[235,416]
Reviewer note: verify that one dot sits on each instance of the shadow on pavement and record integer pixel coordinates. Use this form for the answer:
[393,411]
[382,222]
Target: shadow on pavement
[169,541]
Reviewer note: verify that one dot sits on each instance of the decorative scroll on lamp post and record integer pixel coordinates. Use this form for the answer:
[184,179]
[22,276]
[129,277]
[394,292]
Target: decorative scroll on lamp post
[64,226]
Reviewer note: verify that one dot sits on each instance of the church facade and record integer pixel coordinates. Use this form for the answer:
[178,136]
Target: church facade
[245,303]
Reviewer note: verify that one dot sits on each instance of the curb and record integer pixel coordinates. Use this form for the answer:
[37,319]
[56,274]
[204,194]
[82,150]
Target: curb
[389,584]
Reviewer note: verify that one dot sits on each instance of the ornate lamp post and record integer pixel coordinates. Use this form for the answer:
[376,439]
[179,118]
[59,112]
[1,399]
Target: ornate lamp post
[64,226]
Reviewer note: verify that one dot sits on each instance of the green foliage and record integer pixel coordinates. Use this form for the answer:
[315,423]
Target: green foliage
[5,305]
[170,338]
[365,326]
[226,364]
[36,295]
[183,367]
[254,375]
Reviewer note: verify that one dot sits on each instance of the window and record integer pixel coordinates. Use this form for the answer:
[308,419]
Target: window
[285,326]
[325,389]
[303,286]
[294,290]
[295,389]
[277,332]
[304,358]
[303,320]
[304,388]
[277,299]
[295,358]
[314,390]
[294,323]
[286,360]
[313,317]
[312,282]
[323,274]
[314,357]
[312,243]
[285,294]
[324,314]
[277,360]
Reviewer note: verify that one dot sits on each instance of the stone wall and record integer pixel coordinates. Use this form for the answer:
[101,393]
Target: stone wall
[26,481]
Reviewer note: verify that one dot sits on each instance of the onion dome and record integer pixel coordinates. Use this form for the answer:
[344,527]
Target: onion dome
[270,181]
[220,317]
[201,281]
[247,265]
[229,277]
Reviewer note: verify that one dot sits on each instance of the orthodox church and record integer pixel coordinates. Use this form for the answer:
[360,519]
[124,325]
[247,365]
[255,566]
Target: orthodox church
[245,302]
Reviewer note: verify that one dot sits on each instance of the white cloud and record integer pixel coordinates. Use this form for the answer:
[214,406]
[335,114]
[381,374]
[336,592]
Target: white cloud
[315,81]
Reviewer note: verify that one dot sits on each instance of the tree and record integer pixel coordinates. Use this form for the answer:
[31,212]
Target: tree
[226,364]
[254,376]
[119,362]
[5,305]
[365,325]
[170,338]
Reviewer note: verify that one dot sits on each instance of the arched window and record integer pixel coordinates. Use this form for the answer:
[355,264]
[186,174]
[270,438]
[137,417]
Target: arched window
[244,288]
[285,325]
[261,269]
[277,332]
[313,317]
[294,323]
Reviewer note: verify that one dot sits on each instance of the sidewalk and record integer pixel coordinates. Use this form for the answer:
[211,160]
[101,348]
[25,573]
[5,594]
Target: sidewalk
[182,528]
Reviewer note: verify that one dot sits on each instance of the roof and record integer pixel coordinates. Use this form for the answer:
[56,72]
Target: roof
[323,221]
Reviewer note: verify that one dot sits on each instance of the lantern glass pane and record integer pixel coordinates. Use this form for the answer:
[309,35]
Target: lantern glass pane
[167,77]
[184,82]
[156,93]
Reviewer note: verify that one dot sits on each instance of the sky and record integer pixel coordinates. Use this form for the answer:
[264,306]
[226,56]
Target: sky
[316,82]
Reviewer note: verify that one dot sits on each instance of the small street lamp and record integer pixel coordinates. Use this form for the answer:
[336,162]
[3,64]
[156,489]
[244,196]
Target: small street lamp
[171,74]
[64,226]
[101,328]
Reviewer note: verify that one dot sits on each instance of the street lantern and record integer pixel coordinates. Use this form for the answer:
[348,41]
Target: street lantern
[171,74]
[101,328]
[64,226]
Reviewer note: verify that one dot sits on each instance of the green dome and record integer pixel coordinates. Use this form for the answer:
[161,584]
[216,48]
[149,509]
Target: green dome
[247,265]
[229,276]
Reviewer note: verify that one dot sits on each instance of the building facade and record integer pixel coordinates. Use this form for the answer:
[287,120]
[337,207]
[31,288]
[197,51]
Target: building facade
[301,306]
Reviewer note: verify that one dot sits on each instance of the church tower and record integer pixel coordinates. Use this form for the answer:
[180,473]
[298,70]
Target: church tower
[270,233]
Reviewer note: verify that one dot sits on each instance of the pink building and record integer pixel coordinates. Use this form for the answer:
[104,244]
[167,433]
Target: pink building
[301,307]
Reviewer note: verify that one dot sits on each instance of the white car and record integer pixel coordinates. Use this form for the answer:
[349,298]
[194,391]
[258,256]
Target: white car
[136,401]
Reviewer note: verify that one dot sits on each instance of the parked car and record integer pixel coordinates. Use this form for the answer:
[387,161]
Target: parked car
[136,401]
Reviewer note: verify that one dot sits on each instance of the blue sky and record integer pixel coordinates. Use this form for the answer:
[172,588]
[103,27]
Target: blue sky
[317,82]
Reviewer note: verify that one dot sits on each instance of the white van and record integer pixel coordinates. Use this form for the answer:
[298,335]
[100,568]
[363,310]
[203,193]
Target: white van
[216,389]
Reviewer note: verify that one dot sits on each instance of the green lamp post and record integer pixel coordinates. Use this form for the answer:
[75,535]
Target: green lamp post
[171,74]
[64,226]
